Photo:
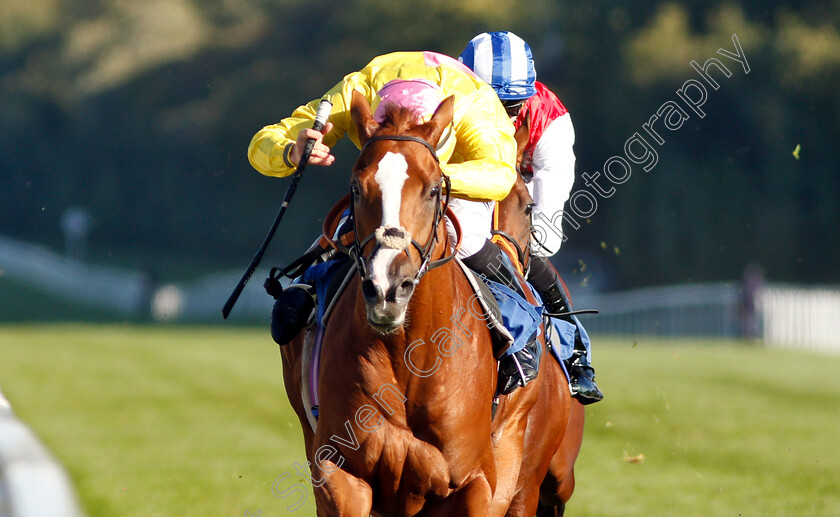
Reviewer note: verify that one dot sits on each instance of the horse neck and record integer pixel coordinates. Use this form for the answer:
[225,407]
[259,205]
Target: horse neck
[440,293]
[440,282]
[513,221]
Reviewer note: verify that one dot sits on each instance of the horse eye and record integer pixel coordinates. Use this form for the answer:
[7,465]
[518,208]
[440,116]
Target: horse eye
[354,190]
[529,209]
[434,192]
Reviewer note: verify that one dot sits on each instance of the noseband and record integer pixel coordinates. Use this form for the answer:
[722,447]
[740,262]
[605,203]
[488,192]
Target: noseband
[398,235]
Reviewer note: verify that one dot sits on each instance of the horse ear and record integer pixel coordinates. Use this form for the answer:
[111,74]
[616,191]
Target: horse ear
[522,133]
[362,118]
[442,118]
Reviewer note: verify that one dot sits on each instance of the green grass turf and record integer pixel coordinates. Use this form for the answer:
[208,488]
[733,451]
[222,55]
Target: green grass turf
[157,421]
[726,429]
[171,421]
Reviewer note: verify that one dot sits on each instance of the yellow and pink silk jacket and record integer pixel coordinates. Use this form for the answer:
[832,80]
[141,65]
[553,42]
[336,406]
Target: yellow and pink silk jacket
[482,165]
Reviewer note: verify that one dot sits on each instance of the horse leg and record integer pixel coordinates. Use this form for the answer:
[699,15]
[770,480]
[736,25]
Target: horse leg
[528,499]
[342,494]
[525,502]
[559,482]
[510,446]
[292,356]
[551,511]
[471,500]
[475,499]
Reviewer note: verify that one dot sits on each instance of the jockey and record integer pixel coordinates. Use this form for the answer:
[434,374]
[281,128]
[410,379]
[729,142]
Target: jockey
[480,160]
[505,62]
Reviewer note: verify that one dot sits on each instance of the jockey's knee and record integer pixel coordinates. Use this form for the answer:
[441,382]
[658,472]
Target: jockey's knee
[476,221]
[472,244]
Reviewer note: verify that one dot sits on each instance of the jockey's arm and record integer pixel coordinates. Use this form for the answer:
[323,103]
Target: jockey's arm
[485,153]
[554,174]
[276,149]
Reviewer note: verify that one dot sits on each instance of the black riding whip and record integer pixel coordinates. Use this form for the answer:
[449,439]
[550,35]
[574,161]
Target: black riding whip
[320,121]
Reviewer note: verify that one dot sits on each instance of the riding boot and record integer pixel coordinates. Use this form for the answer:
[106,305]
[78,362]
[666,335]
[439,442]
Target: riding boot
[491,262]
[293,305]
[291,312]
[581,374]
[521,367]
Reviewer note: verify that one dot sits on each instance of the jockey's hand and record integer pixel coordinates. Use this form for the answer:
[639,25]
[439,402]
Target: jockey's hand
[320,152]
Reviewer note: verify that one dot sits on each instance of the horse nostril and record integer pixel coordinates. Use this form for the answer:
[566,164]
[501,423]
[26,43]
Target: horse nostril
[370,291]
[394,232]
[403,291]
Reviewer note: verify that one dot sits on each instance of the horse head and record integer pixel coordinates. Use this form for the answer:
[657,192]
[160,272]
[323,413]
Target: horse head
[514,211]
[398,198]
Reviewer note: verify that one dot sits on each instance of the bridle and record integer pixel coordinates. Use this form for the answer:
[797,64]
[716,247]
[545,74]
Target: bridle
[523,255]
[424,250]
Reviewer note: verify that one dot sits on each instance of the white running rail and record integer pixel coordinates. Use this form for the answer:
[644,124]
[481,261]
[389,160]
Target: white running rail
[32,484]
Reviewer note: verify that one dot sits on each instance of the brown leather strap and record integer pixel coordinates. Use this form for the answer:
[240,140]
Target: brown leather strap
[331,225]
[501,240]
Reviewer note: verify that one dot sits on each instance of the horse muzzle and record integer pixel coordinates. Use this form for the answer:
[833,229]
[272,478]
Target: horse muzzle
[386,307]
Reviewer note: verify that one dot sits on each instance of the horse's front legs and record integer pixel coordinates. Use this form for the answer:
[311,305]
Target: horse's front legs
[342,494]
[471,500]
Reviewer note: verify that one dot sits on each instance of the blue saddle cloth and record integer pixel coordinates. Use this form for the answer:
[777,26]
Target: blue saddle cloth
[523,320]
[323,275]
[519,316]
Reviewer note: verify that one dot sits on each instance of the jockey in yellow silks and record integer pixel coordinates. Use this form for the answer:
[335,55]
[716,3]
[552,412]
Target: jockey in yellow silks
[481,165]
[480,159]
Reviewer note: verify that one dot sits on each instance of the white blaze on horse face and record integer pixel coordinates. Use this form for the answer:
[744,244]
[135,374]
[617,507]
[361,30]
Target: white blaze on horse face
[390,176]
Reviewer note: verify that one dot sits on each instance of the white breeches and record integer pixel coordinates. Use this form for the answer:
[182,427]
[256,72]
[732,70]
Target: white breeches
[476,221]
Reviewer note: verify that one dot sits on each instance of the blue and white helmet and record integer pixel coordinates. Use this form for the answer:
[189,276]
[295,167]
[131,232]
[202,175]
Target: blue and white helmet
[504,61]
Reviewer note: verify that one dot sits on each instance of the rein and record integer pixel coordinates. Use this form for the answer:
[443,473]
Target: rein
[520,253]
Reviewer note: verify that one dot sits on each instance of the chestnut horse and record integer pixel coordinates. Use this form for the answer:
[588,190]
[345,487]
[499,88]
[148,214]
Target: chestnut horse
[407,373]
[550,481]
